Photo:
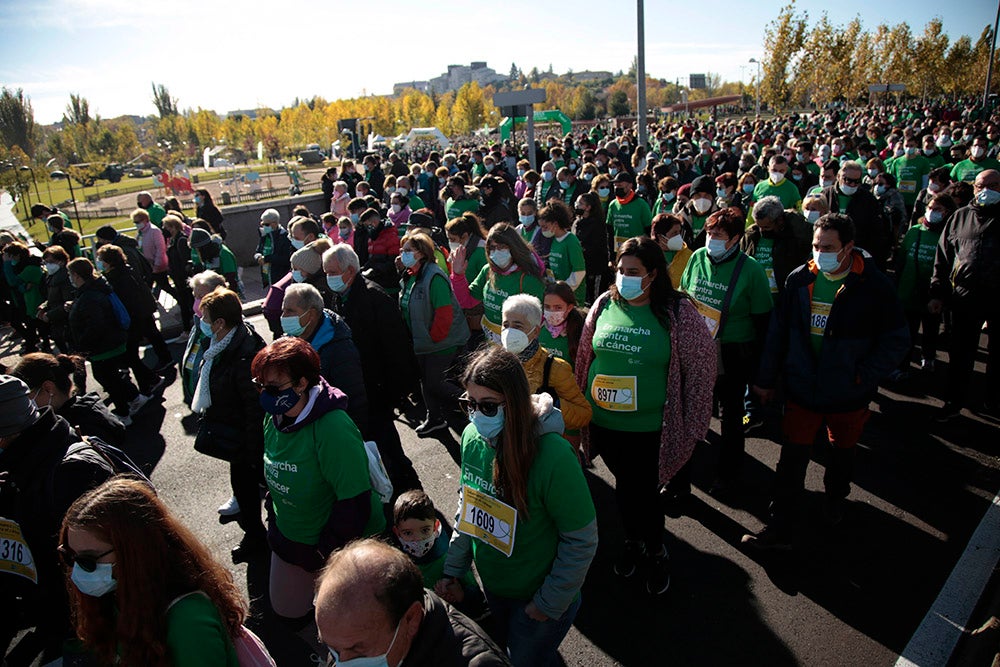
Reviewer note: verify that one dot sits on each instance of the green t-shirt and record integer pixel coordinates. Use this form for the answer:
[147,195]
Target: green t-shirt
[765,257]
[475,263]
[558,501]
[566,258]
[662,206]
[707,283]
[310,469]
[629,220]
[936,160]
[627,382]
[416,203]
[824,291]
[911,175]
[557,345]
[698,223]
[918,248]
[967,170]
[493,296]
[454,208]
[786,191]
[156,214]
[196,635]
[224,263]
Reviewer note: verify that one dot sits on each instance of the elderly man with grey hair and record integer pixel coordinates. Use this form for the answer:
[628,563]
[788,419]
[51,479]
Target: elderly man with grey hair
[779,239]
[871,225]
[387,358]
[303,315]
[274,250]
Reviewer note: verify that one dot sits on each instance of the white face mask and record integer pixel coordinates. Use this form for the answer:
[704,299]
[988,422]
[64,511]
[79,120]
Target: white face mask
[933,217]
[978,152]
[848,189]
[675,243]
[776,177]
[420,548]
[812,216]
[514,340]
[701,205]
[555,317]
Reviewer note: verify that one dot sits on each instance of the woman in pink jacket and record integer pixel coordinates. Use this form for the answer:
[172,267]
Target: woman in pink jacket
[154,248]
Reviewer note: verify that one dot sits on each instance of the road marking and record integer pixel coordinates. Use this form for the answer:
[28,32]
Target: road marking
[938,634]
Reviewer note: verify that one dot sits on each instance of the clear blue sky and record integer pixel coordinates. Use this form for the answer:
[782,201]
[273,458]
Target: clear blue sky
[238,55]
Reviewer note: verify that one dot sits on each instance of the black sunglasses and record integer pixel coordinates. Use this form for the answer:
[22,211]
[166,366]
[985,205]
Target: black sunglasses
[271,389]
[87,563]
[488,408]
[852,181]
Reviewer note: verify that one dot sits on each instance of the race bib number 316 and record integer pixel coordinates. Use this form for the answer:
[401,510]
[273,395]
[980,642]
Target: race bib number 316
[488,519]
[15,556]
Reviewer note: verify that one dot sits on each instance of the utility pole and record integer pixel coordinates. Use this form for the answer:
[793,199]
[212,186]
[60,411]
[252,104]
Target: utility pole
[640,101]
[989,69]
[754,61]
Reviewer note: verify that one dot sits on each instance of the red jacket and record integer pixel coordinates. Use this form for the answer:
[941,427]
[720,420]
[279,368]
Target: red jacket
[384,241]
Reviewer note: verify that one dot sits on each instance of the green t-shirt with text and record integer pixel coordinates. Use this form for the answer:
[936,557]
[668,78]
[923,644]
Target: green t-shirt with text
[566,258]
[557,345]
[629,220]
[493,295]
[967,170]
[627,382]
[911,174]
[707,284]
[765,257]
[918,248]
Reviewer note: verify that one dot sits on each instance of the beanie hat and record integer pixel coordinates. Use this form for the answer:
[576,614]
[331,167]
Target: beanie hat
[106,233]
[704,184]
[199,238]
[421,220]
[684,190]
[17,411]
[308,260]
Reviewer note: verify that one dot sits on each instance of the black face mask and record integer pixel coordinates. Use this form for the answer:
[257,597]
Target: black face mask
[208,252]
[621,193]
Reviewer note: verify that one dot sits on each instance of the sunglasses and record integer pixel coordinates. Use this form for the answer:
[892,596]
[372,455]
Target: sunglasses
[87,563]
[488,408]
[852,181]
[271,389]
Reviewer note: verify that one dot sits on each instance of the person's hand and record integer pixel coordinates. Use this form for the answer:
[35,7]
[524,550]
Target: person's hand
[765,395]
[458,261]
[935,306]
[534,614]
[449,590]
[399,263]
[260,260]
[43,316]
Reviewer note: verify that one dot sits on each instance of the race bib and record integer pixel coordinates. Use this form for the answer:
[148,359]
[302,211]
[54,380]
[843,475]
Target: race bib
[907,186]
[488,519]
[711,315]
[492,331]
[15,556]
[818,317]
[193,356]
[615,393]
[772,283]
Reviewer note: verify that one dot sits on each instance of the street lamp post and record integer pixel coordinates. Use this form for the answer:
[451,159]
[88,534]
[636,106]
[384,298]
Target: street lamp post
[754,61]
[640,72]
[38,197]
[61,174]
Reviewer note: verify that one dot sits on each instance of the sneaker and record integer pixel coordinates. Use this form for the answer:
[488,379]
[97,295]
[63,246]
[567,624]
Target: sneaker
[751,422]
[179,338]
[138,403]
[769,539]
[230,507]
[427,427]
[658,577]
[928,365]
[629,560]
[947,412]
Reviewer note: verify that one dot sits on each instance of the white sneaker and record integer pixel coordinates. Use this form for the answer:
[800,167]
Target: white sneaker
[230,507]
[138,403]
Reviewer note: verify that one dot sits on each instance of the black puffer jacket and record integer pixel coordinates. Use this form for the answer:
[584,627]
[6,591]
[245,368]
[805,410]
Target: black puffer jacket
[135,295]
[449,638]
[88,414]
[791,249]
[235,401]
[58,292]
[38,483]
[967,262]
[93,325]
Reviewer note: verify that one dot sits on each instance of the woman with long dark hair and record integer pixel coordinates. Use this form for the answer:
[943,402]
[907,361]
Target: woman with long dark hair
[205,209]
[563,322]
[526,518]
[143,589]
[647,416]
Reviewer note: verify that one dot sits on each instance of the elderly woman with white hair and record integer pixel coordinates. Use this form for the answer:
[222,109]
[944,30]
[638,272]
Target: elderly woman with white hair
[201,284]
[547,373]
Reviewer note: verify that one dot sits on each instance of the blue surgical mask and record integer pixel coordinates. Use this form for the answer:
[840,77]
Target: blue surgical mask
[668,197]
[97,583]
[343,233]
[749,187]
[292,325]
[501,258]
[604,193]
[355,217]
[987,197]
[527,220]
[298,276]
[206,327]
[828,262]
[297,244]
[280,404]
[629,287]
[716,247]
[520,173]
[408,258]
[488,427]
[373,661]
[336,283]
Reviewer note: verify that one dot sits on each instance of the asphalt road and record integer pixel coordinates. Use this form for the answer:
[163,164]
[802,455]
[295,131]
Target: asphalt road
[848,596]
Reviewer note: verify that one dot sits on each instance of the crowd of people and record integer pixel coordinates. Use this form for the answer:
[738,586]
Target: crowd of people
[604,304]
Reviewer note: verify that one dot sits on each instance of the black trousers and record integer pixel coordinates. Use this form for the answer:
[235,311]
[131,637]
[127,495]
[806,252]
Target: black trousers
[112,374]
[634,460]
[246,478]
[966,327]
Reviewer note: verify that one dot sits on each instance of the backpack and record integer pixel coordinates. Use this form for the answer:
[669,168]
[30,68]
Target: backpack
[546,388]
[119,461]
[250,650]
[124,319]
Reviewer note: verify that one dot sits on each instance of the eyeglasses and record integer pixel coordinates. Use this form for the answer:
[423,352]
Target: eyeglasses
[852,181]
[87,563]
[271,389]
[488,408]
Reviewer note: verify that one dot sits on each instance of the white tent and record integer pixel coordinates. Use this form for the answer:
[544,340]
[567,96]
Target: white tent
[427,133]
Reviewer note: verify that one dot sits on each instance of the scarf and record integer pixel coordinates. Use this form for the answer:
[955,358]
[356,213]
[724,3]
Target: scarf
[527,353]
[557,330]
[202,399]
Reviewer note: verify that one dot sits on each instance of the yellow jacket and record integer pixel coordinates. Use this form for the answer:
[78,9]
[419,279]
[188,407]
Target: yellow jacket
[575,408]
[677,266]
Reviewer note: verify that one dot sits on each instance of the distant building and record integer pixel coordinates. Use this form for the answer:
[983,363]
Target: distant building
[420,86]
[250,114]
[459,75]
[588,75]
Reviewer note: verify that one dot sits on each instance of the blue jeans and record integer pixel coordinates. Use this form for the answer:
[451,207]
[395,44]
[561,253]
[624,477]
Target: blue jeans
[529,643]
